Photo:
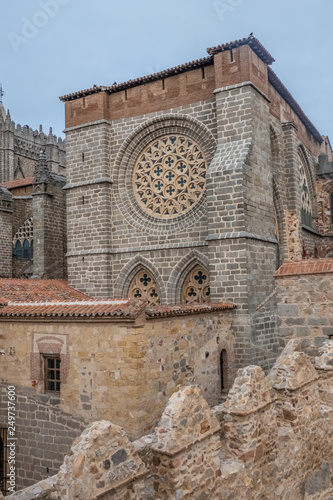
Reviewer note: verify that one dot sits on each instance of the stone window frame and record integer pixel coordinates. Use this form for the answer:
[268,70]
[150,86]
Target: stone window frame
[127,158]
[196,288]
[229,368]
[129,271]
[45,369]
[24,234]
[181,271]
[44,345]
[143,289]
[302,156]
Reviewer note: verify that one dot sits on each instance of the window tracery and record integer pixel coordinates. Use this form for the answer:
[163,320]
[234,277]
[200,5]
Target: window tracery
[306,207]
[196,286]
[23,240]
[169,176]
[143,286]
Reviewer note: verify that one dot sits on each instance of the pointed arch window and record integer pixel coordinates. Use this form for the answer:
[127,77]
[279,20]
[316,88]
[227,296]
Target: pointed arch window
[306,208]
[143,286]
[23,240]
[196,286]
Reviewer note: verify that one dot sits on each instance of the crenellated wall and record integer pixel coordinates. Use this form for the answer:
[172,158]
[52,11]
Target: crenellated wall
[270,440]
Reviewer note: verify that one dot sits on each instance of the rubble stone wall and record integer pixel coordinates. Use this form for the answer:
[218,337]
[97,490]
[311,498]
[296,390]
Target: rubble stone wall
[305,307]
[270,440]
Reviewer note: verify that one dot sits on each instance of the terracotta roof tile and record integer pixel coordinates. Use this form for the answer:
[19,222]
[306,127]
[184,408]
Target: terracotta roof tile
[251,41]
[313,266]
[124,308]
[198,63]
[18,183]
[21,290]
[179,309]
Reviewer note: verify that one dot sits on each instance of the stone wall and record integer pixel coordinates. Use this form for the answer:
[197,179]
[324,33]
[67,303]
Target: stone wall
[305,302]
[44,434]
[6,222]
[20,148]
[270,440]
[126,373]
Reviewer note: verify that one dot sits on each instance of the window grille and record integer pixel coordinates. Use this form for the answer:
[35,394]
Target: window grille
[51,373]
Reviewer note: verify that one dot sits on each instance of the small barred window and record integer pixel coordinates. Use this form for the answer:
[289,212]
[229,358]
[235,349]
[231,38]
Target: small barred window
[51,373]
[196,286]
[143,286]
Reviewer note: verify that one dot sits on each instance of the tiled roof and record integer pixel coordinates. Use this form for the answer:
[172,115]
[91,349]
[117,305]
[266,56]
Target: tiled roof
[198,63]
[253,42]
[311,266]
[126,308]
[179,309]
[20,290]
[281,89]
[18,183]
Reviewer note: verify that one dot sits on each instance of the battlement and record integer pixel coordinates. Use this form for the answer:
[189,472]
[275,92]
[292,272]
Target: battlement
[267,425]
[27,133]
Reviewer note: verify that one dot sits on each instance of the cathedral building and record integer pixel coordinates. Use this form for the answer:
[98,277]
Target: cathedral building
[188,233]
[193,185]
[32,203]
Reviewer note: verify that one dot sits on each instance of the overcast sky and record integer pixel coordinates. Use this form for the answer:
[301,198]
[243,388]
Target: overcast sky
[54,47]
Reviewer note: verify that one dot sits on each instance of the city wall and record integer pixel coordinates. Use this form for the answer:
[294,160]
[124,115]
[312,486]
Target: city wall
[270,440]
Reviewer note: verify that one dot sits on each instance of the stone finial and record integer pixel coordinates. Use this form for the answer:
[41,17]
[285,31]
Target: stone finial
[42,169]
[250,392]
[187,418]
[292,369]
[101,459]
[325,360]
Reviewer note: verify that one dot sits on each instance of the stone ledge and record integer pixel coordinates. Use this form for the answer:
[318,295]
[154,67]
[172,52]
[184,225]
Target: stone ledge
[241,234]
[102,180]
[240,85]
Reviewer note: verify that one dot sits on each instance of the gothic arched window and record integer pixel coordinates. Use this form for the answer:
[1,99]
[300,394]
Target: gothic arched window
[18,249]
[306,208]
[143,286]
[23,240]
[196,286]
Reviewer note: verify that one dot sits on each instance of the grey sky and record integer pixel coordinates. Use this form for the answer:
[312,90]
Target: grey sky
[79,43]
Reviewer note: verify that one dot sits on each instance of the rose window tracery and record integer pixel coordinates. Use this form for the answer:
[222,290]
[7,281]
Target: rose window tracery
[196,286]
[143,287]
[169,176]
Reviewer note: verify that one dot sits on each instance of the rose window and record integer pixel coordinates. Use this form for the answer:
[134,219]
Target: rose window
[143,287]
[196,286]
[169,176]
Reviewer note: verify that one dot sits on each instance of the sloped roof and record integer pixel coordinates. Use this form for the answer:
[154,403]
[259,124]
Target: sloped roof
[18,183]
[181,309]
[55,299]
[253,42]
[21,290]
[310,266]
[126,308]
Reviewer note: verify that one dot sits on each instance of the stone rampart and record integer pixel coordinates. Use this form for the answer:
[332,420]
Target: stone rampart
[270,440]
